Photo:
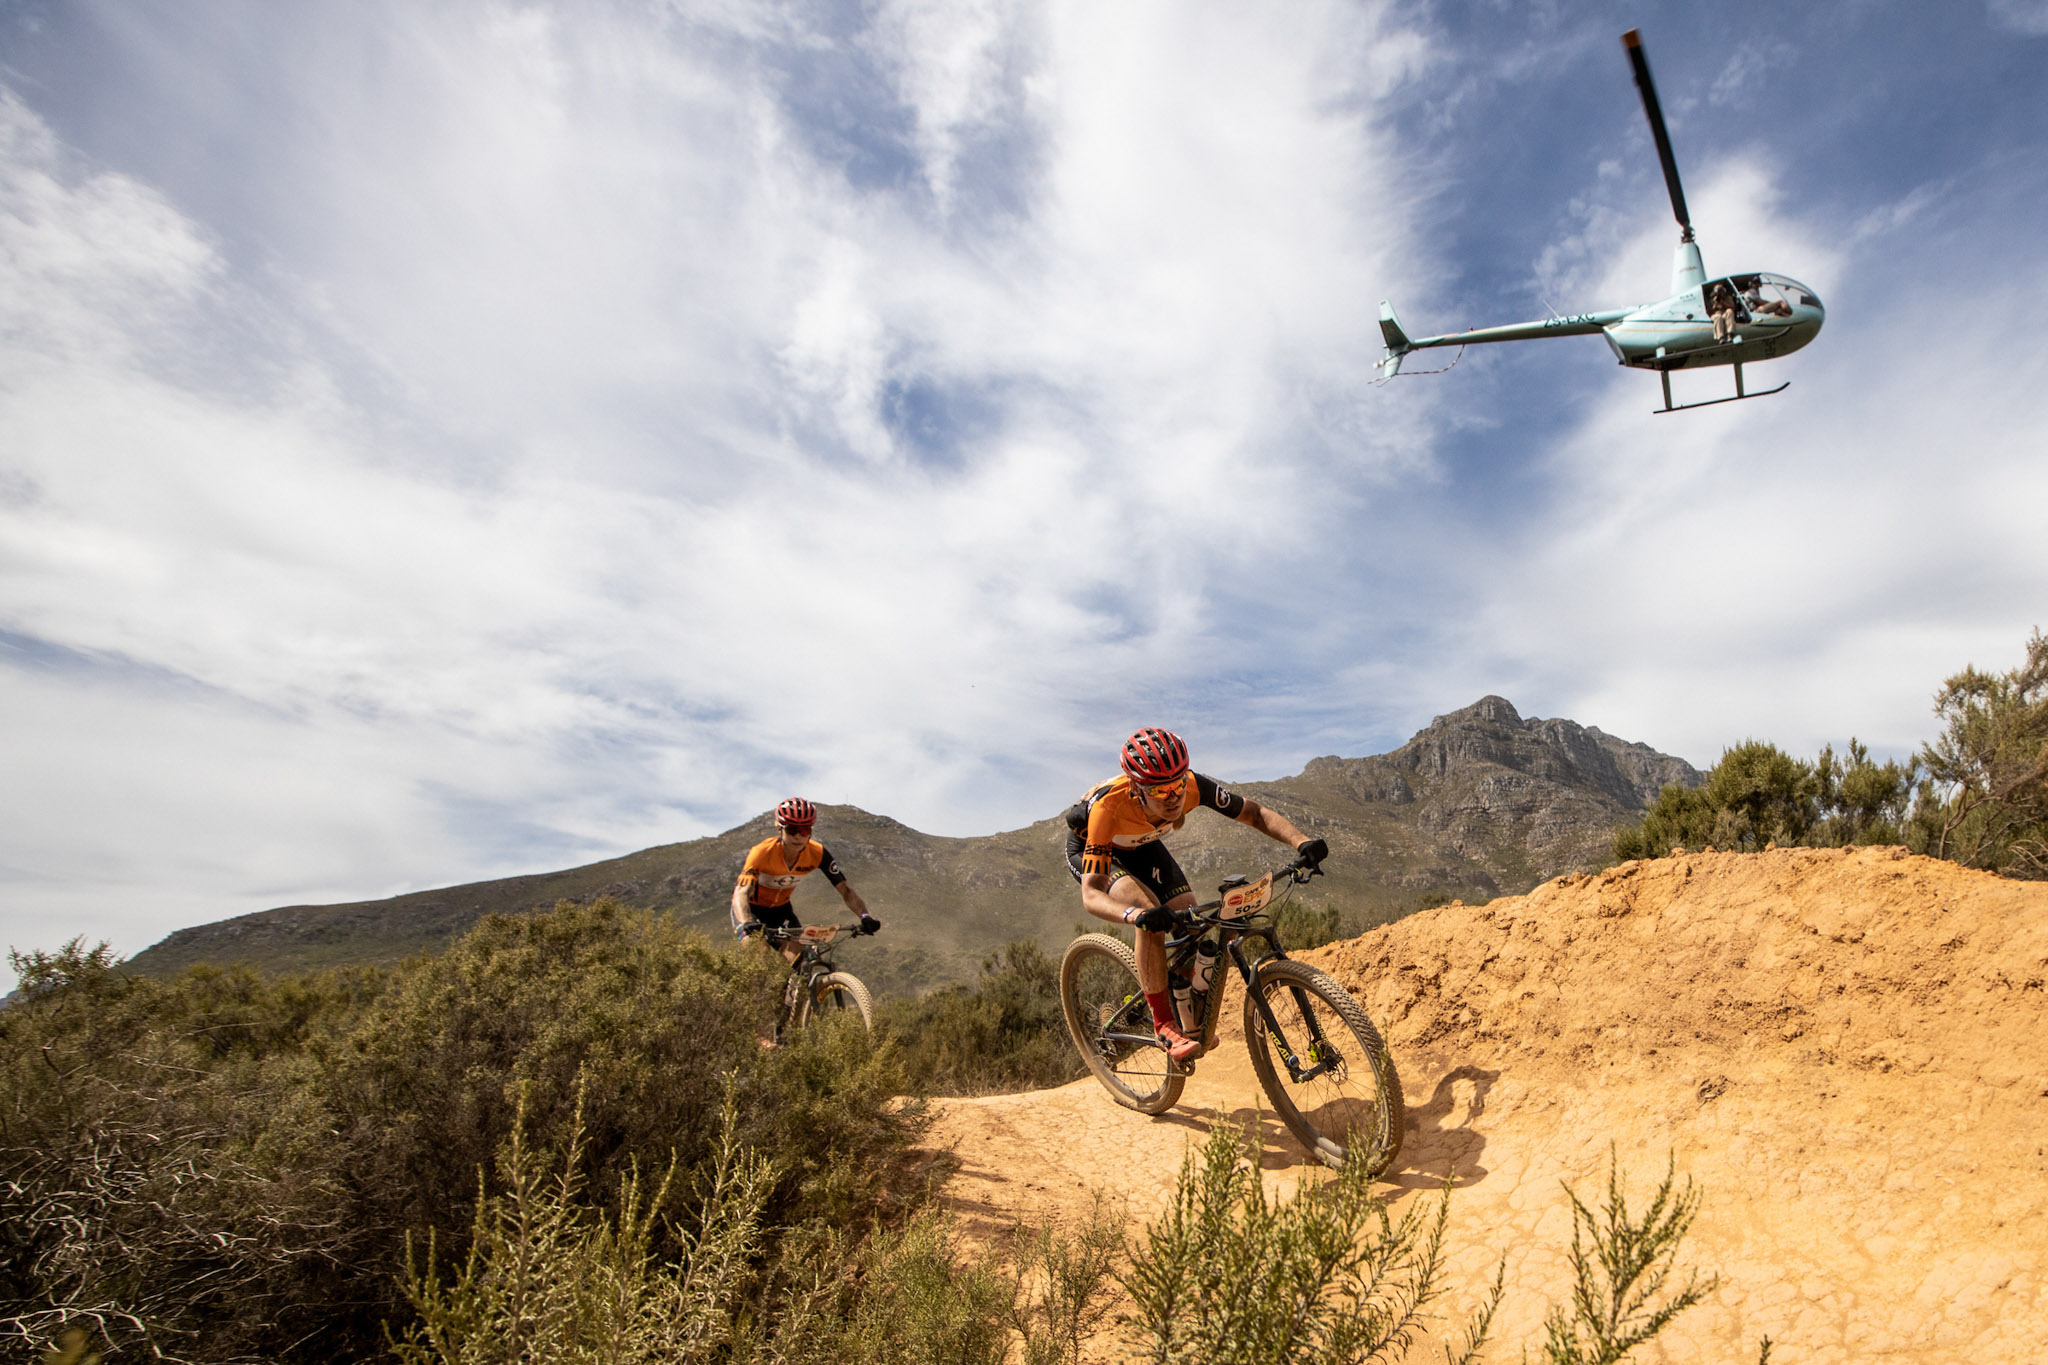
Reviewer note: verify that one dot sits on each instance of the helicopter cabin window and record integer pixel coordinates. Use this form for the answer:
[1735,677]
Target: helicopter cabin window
[1793,290]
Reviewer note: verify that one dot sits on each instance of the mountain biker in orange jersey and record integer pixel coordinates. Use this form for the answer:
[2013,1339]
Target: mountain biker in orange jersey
[1126,874]
[760,900]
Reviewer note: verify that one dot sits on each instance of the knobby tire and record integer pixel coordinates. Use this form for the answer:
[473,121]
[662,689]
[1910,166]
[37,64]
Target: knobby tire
[837,991]
[1360,1097]
[1099,995]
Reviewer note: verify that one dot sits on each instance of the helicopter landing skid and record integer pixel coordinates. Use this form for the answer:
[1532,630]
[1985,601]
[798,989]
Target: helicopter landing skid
[1739,395]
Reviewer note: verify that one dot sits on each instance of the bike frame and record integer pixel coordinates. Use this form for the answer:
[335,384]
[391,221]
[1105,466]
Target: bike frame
[813,961]
[1198,922]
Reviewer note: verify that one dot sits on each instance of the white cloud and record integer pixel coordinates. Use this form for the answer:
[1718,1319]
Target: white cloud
[565,460]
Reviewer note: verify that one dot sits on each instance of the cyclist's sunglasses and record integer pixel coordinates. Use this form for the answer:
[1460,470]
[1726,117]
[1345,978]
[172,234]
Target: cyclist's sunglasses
[804,830]
[1163,791]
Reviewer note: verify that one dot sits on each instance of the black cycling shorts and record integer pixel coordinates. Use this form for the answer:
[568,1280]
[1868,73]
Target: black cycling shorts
[1150,863]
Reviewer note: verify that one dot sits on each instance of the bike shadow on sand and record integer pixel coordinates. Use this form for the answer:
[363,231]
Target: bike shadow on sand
[1442,1141]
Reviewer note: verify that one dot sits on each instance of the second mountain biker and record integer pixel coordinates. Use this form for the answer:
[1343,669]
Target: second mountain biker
[773,868]
[1126,874]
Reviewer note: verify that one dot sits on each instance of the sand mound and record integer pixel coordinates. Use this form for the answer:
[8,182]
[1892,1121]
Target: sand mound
[1847,1049]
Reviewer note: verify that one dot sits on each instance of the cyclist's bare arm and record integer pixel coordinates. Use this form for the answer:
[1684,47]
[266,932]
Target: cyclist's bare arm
[1270,823]
[852,899]
[744,915]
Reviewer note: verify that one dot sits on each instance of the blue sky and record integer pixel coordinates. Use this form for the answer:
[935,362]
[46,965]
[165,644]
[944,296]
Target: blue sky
[439,441]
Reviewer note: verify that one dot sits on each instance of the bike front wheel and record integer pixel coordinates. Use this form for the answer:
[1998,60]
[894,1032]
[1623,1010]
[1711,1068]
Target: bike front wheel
[1327,1070]
[837,992]
[1111,1025]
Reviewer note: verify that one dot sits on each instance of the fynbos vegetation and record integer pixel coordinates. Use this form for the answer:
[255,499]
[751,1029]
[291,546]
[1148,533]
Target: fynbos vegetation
[1230,1276]
[1977,795]
[225,1167]
[1006,1034]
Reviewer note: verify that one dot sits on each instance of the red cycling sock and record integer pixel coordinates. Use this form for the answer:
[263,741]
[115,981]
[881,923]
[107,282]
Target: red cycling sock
[1162,1008]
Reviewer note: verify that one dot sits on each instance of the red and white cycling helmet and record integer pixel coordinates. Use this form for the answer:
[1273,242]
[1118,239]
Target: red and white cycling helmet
[1153,756]
[796,813]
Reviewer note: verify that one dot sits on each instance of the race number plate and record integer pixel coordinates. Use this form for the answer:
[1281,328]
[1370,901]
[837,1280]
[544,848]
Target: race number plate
[819,933]
[1240,901]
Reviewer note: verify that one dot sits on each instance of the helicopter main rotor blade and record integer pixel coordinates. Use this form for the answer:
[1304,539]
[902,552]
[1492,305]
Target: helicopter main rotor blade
[1633,41]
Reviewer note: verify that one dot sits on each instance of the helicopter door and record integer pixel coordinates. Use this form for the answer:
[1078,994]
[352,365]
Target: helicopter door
[1733,285]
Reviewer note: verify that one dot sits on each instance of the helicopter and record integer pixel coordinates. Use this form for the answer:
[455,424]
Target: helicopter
[1761,315]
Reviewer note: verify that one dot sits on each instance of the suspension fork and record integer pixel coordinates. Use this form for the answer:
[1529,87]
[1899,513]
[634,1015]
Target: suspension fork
[801,989]
[1319,1046]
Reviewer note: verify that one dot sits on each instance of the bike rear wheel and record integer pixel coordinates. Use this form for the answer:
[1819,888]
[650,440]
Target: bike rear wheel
[1111,1025]
[1350,1108]
[835,992]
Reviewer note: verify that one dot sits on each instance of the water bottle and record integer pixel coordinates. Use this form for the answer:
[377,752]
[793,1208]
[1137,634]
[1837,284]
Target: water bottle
[1183,1003]
[1199,985]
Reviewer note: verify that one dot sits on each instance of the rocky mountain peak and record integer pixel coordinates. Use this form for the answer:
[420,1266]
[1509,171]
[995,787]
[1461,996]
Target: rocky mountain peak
[1491,732]
[1488,709]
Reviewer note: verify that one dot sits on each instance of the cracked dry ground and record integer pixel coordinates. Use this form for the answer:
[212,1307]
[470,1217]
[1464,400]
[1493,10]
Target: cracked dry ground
[1848,1051]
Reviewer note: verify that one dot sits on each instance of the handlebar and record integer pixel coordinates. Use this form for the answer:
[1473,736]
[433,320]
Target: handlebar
[1208,913]
[779,934]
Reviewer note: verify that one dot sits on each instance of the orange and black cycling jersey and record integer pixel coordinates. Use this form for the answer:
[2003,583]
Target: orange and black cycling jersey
[1111,816]
[770,879]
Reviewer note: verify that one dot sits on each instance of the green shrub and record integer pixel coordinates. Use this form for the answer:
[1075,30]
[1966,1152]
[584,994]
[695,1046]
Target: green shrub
[141,1194]
[652,1017]
[1621,1267]
[1759,795]
[1007,1034]
[222,1166]
[1229,1276]
[1302,927]
[1062,1278]
[548,1278]
[914,1295]
[1984,802]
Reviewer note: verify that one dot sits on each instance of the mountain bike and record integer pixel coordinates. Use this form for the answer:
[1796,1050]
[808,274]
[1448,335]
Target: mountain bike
[1317,1056]
[816,987]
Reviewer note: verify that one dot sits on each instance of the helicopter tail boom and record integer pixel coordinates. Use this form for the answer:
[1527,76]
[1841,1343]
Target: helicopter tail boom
[1399,343]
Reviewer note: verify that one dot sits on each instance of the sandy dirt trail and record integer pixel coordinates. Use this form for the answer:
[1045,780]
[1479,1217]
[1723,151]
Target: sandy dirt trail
[1848,1050]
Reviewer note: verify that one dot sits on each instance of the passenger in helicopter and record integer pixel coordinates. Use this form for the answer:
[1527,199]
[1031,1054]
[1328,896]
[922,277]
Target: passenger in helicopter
[1721,308]
[1762,304]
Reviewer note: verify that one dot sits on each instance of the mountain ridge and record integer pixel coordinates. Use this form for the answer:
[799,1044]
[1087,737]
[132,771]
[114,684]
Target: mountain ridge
[1478,803]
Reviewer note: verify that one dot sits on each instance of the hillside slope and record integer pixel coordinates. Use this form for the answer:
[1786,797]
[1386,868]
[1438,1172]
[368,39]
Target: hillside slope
[1480,801]
[1847,1049]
